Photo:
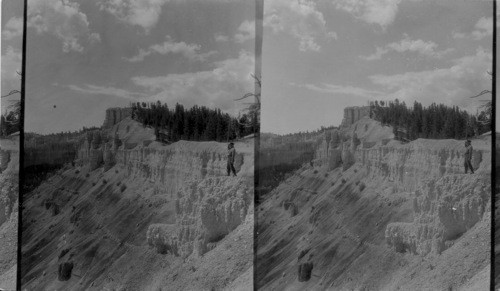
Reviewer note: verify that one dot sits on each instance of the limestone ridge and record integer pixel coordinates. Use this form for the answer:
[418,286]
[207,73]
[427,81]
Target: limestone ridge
[353,114]
[368,202]
[169,205]
[115,115]
[207,205]
[446,202]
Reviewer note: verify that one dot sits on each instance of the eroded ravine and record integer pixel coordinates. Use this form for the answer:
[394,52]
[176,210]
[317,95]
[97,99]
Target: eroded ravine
[378,215]
[135,216]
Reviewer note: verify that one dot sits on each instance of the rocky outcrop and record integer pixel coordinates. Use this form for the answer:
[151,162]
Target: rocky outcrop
[115,115]
[407,165]
[353,114]
[444,209]
[208,204]
[163,238]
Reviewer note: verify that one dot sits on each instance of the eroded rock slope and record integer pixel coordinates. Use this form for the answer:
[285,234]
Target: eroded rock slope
[138,215]
[372,213]
[9,189]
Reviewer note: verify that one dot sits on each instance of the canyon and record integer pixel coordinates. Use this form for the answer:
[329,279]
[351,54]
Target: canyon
[132,213]
[373,213]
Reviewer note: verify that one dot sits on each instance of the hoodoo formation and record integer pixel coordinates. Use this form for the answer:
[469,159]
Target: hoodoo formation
[368,212]
[134,213]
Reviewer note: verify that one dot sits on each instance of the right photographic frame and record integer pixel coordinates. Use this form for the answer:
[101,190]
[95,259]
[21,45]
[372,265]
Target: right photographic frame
[374,168]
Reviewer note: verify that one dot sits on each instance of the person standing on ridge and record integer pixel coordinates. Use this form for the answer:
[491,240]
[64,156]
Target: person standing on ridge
[468,157]
[231,153]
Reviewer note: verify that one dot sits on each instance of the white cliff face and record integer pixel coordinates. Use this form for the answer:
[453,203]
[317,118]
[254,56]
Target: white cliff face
[446,202]
[444,209]
[115,115]
[208,204]
[156,205]
[371,203]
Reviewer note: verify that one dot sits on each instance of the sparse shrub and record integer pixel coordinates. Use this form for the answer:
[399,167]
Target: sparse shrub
[104,181]
[116,171]
[315,171]
[293,210]
[123,188]
[74,218]
[303,253]
[326,175]
[77,172]
[355,170]
[64,272]
[305,271]
[333,183]
[63,252]
[362,186]
[357,183]
[55,210]
[87,175]
[118,183]
[93,183]
[343,181]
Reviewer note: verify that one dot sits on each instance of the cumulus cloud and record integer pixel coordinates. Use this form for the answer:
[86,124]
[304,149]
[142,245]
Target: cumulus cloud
[454,85]
[246,31]
[381,12]
[221,38]
[426,48]
[62,19]
[13,28]
[228,80]
[11,65]
[143,13]
[189,51]
[103,90]
[341,89]
[482,29]
[300,19]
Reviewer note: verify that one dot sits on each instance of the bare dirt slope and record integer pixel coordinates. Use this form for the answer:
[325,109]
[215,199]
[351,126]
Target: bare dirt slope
[9,181]
[133,214]
[379,215]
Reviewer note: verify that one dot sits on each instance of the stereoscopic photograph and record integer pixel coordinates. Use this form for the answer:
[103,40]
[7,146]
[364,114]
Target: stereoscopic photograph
[140,125]
[375,150]
[248,145]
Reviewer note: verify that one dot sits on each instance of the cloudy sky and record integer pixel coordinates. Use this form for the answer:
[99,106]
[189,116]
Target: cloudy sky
[86,56]
[321,56]
[11,51]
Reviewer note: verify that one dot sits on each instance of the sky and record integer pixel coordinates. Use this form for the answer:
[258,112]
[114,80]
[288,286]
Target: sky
[11,48]
[321,56]
[86,56]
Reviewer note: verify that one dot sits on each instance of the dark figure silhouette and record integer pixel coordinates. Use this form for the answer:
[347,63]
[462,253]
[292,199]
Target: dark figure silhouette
[468,157]
[231,153]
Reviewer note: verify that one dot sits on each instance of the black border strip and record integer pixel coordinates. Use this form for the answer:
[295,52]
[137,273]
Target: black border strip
[21,150]
[493,150]
[259,19]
